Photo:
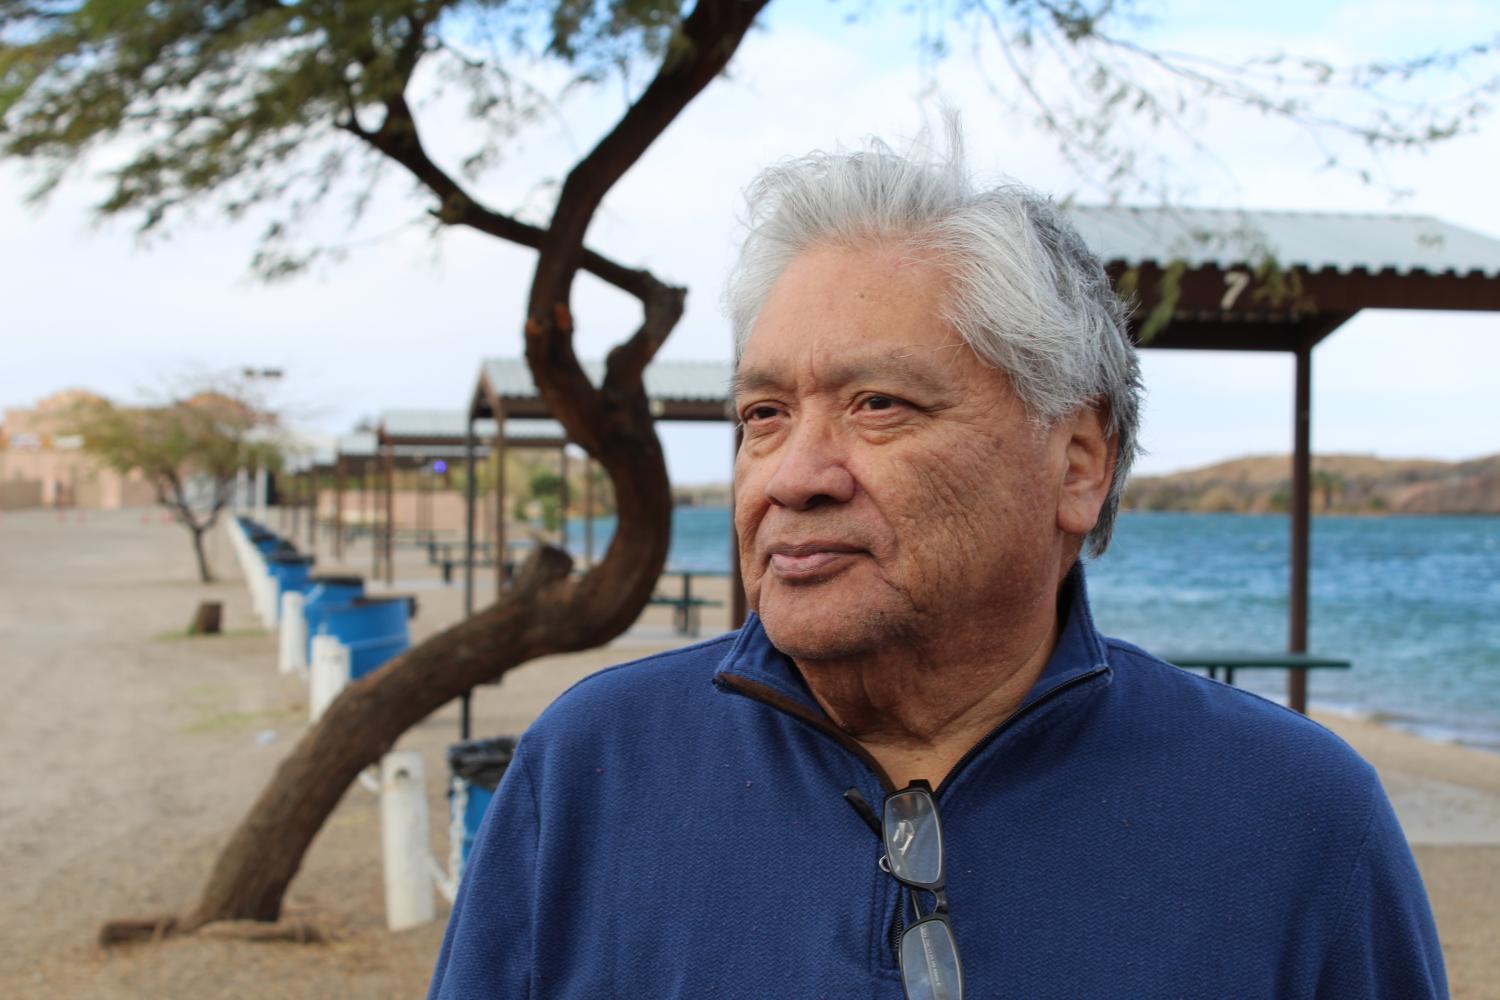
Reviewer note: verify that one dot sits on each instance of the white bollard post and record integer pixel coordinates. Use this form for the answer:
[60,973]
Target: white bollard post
[265,595]
[329,675]
[237,539]
[293,634]
[262,494]
[255,578]
[404,838]
[273,601]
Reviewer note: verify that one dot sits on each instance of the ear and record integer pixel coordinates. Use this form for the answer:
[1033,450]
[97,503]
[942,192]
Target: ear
[1089,456]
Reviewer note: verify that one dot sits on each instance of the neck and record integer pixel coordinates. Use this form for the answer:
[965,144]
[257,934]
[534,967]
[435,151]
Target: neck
[919,705]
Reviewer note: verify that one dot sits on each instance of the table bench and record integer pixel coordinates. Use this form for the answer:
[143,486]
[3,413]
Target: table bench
[447,555]
[686,609]
[1230,662]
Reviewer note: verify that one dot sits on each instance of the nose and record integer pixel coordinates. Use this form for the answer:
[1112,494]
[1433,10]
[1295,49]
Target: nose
[811,469]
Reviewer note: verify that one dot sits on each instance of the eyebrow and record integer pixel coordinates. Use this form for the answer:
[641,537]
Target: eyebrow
[891,370]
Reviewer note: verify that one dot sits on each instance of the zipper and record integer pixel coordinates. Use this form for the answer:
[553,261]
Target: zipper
[770,696]
[757,691]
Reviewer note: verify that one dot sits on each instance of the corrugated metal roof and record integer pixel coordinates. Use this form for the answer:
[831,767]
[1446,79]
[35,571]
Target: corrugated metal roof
[698,381]
[540,430]
[1314,241]
[360,444]
[431,424]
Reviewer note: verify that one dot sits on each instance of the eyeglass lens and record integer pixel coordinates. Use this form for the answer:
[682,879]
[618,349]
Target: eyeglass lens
[913,841]
[929,962]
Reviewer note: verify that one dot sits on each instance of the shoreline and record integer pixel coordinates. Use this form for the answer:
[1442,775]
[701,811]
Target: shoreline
[1438,733]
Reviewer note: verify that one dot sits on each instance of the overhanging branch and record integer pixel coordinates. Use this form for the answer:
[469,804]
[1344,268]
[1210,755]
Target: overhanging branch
[398,139]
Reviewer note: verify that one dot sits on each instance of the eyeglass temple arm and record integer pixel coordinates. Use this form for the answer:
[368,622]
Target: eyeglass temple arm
[866,812]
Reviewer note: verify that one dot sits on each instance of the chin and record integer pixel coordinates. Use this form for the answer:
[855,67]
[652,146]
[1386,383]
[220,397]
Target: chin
[811,628]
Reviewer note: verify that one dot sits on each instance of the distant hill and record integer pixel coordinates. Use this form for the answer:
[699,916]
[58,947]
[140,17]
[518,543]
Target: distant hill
[1342,484]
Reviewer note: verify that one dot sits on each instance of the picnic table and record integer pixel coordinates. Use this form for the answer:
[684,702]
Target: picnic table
[450,555]
[1232,661]
[686,609]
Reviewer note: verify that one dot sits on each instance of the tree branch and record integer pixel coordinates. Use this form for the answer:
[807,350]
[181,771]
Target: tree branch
[179,502]
[702,47]
[398,139]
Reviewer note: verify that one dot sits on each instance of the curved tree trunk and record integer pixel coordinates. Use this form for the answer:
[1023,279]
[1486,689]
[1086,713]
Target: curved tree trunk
[547,612]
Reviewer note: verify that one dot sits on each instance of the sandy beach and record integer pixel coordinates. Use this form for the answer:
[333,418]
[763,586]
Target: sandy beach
[130,752]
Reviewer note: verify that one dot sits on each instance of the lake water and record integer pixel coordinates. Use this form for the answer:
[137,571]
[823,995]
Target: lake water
[1414,602]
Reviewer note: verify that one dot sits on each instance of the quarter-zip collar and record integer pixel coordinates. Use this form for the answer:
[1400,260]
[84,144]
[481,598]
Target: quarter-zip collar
[754,667]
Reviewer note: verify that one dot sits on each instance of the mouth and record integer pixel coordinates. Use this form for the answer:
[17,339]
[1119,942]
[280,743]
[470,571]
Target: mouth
[809,560]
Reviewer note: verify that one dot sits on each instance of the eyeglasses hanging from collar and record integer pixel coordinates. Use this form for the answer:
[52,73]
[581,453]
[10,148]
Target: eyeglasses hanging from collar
[913,837]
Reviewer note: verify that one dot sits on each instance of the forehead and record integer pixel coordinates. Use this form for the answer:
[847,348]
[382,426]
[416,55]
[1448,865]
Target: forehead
[836,309]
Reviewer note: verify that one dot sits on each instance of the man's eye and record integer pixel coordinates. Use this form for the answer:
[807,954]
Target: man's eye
[758,412]
[879,402]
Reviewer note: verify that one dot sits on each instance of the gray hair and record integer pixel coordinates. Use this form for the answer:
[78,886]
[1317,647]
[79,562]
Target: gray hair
[1028,295]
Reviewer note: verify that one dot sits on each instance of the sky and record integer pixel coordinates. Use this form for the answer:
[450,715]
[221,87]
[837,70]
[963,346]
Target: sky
[404,321]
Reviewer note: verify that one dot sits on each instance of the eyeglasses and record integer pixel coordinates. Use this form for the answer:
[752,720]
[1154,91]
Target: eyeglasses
[913,838]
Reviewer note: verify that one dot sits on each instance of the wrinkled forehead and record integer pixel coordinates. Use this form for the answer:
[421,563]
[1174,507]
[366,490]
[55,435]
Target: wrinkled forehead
[839,311]
[813,367]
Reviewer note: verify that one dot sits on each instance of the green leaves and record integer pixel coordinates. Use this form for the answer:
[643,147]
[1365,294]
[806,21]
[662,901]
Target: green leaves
[212,433]
[254,102]
[605,32]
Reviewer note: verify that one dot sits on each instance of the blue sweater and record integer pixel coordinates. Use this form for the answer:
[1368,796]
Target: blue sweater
[675,827]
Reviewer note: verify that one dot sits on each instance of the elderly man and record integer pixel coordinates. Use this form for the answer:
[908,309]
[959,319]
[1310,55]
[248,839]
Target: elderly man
[918,769]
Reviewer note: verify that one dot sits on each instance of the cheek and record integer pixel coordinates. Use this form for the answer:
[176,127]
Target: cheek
[749,509]
[967,508]
[962,510]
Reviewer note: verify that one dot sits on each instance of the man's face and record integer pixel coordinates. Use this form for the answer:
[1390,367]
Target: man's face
[889,486]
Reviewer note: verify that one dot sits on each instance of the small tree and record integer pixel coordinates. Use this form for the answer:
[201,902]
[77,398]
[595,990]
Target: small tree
[190,451]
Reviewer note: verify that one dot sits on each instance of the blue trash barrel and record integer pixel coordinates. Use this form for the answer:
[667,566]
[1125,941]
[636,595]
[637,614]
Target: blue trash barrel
[477,767]
[266,543]
[323,595]
[374,629]
[290,572]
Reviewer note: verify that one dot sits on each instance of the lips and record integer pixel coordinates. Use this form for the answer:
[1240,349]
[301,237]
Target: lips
[809,560]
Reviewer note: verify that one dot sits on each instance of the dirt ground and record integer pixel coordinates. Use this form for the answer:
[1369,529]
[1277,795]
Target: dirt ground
[129,753]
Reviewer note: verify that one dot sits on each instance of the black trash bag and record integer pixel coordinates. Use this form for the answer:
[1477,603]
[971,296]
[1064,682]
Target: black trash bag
[482,762]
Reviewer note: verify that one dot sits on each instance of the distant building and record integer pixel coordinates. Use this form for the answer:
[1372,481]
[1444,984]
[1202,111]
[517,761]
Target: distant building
[41,465]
